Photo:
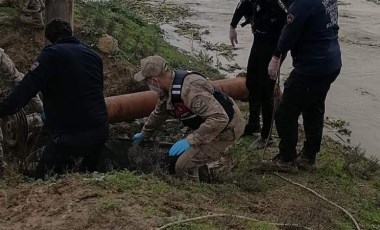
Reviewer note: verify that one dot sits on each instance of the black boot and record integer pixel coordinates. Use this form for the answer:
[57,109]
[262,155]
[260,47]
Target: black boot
[306,162]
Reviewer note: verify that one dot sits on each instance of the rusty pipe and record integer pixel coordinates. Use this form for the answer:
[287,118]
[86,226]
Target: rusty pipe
[233,87]
[128,107]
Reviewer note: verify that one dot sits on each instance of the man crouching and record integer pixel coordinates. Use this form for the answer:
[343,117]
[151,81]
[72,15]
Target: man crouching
[215,118]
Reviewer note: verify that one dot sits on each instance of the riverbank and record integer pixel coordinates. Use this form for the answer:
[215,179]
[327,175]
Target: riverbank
[131,200]
[353,97]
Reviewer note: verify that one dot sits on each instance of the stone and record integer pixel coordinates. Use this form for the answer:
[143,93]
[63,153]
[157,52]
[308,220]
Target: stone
[108,44]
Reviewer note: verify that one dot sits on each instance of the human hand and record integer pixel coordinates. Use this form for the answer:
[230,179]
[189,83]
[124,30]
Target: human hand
[179,147]
[274,68]
[233,36]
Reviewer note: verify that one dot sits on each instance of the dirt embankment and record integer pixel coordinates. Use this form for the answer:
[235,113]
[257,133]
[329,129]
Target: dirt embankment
[23,45]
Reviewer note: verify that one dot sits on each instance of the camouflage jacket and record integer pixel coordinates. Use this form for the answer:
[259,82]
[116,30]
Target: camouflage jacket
[10,76]
[197,95]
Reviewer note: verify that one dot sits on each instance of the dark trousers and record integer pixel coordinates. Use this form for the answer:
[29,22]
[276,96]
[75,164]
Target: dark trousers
[303,95]
[59,159]
[259,84]
[72,152]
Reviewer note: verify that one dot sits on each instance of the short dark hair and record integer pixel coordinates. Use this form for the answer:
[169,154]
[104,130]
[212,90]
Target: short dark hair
[57,29]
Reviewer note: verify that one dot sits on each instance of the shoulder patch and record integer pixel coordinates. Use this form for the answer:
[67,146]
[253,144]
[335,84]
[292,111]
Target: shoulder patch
[200,106]
[34,66]
[290,18]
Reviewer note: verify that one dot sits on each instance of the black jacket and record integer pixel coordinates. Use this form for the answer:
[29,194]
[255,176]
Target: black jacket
[265,16]
[312,37]
[70,77]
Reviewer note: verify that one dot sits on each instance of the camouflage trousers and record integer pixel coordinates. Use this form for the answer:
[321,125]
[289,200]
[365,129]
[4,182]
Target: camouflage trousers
[189,163]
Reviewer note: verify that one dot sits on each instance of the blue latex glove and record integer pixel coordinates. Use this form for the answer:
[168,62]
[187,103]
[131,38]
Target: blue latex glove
[138,137]
[179,147]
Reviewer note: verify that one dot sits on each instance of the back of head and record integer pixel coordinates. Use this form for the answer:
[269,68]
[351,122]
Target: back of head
[57,29]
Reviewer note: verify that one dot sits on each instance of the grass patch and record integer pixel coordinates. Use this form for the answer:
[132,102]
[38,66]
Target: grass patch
[194,226]
[109,204]
[369,213]
[244,166]
[156,187]
[343,225]
[137,38]
[260,226]
[223,223]
[122,181]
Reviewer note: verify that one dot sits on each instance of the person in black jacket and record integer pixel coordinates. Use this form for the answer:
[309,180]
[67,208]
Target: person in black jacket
[70,77]
[312,37]
[267,18]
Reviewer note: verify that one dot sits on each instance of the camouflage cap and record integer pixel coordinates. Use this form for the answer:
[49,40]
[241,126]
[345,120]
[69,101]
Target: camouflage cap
[151,66]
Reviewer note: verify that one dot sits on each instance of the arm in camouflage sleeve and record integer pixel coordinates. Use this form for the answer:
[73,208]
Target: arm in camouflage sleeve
[156,119]
[198,96]
[8,70]
[28,87]
[10,73]
[36,100]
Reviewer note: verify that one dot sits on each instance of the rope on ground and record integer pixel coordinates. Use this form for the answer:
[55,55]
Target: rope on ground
[321,197]
[229,215]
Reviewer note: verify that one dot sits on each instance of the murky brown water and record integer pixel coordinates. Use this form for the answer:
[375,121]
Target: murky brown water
[354,97]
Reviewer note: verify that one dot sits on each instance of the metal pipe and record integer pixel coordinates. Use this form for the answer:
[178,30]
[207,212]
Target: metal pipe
[137,105]
[233,87]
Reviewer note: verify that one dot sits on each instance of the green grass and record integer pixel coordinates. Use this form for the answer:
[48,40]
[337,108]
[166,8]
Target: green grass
[109,204]
[224,223]
[260,226]
[369,213]
[343,225]
[194,226]
[137,38]
[122,181]
[8,15]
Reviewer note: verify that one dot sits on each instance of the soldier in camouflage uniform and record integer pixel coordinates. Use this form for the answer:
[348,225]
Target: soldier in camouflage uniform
[31,13]
[9,77]
[215,118]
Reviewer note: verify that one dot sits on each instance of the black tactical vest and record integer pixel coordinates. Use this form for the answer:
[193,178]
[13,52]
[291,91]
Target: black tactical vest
[183,113]
[266,16]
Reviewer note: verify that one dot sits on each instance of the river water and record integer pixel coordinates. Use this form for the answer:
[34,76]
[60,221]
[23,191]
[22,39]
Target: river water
[354,96]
